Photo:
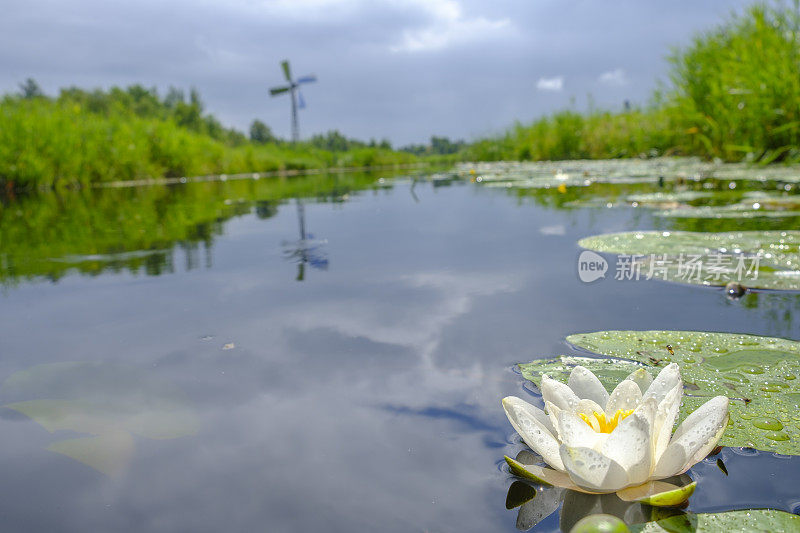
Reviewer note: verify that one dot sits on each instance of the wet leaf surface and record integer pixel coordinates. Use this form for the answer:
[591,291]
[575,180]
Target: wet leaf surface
[759,375]
[747,520]
[756,259]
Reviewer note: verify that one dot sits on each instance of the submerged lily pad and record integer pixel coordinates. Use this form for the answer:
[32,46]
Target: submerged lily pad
[719,258]
[111,403]
[761,376]
[731,521]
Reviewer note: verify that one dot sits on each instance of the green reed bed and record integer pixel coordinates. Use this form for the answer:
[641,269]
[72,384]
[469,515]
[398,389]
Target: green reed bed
[733,93]
[70,140]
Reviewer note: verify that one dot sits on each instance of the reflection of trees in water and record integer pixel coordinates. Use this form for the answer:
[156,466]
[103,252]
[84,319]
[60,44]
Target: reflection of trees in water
[781,310]
[144,229]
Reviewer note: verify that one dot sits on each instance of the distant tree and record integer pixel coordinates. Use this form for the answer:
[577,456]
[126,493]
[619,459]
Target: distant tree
[261,133]
[385,144]
[30,89]
[189,115]
[174,97]
[335,141]
[194,100]
[438,146]
[144,102]
[443,145]
[416,149]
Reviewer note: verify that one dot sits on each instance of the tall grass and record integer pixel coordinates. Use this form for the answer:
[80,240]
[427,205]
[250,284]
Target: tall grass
[733,93]
[50,142]
[572,135]
[736,89]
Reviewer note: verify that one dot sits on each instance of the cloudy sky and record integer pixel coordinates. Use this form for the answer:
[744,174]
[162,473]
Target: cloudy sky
[399,69]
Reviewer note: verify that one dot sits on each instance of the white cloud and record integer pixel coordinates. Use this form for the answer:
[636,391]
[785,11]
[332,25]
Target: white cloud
[448,25]
[550,84]
[614,77]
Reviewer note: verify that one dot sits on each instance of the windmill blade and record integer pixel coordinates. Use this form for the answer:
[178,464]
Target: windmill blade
[307,79]
[301,103]
[278,90]
[286,71]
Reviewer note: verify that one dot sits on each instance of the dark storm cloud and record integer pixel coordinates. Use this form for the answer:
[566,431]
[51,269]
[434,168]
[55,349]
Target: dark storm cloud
[402,69]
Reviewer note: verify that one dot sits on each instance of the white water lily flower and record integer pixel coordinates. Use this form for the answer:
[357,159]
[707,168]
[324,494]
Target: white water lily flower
[598,442]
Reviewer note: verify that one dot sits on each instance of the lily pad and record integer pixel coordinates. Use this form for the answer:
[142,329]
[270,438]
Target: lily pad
[761,376]
[687,168]
[659,198]
[731,521]
[756,259]
[728,211]
[111,403]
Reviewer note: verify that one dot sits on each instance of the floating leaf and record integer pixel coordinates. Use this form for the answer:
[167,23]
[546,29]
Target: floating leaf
[658,198]
[748,520]
[761,376]
[727,211]
[719,258]
[669,168]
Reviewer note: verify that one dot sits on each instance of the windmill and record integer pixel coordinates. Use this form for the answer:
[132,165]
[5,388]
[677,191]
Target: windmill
[297,97]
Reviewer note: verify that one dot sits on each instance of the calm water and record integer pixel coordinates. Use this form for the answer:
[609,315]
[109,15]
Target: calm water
[215,383]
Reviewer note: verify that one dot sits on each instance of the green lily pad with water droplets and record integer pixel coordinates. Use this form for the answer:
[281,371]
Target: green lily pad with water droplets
[761,376]
[756,259]
[730,522]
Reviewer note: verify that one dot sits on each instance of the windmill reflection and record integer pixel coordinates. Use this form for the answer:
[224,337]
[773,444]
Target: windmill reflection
[307,250]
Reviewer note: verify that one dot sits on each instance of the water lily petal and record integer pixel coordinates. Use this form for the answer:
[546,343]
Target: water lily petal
[626,395]
[588,407]
[586,385]
[552,414]
[558,393]
[576,433]
[642,378]
[540,474]
[592,471]
[716,407]
[694,438]
[525,420]
[536,413]
[666,380]
[717,410]
[629,444]
[665,418]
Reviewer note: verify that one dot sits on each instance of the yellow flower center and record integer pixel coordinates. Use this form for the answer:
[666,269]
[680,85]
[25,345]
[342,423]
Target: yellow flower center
[603,424]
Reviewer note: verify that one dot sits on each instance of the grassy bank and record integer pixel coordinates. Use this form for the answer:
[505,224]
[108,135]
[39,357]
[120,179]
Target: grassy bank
[733,93]
[124,134]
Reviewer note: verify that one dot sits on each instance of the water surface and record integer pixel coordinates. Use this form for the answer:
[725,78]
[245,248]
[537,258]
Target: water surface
[228,376]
